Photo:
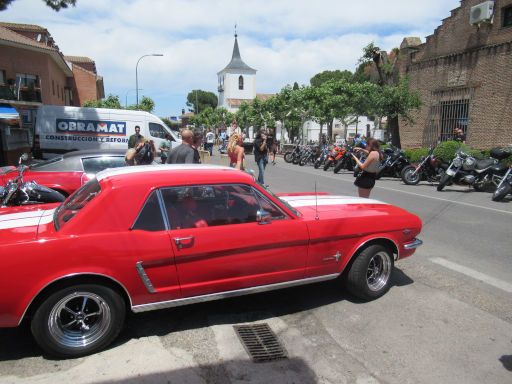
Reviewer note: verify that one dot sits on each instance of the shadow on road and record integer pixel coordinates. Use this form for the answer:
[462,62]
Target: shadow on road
[17,343]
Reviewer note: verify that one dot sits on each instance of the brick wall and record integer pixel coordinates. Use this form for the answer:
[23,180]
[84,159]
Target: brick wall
[461,56]
[85,86]
[16,60]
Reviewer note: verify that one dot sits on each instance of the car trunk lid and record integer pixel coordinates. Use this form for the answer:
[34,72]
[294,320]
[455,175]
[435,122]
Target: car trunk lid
[22,223]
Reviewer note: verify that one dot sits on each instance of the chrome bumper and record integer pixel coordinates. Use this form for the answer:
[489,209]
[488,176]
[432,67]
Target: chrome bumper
[413,244]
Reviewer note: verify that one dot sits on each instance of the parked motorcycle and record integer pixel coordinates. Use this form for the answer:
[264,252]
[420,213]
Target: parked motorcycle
[290,156]
[19,192]
[322,157]
[333,157]
[309,155]
[346,161]
[504,187]
[429,168]
[393,163]
[465,169]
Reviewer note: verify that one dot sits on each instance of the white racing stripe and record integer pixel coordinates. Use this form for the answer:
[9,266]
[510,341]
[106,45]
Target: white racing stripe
[26,219]
[474,274]
[312,200]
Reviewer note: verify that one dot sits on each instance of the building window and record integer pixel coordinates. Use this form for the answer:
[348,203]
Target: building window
[507,16]
[2,78]
[241,82]
[58,90]
[53,87]
[449,110]
[27,87]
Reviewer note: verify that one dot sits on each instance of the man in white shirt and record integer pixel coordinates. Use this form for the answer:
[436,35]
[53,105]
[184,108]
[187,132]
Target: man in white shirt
[210,139]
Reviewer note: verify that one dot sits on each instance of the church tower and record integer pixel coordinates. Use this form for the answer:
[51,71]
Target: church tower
[237,82]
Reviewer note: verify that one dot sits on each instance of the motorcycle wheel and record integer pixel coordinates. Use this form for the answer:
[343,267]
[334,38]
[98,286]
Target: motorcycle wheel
[444,180]
[327,165]
[408,176]
[296,160]
[501,192]
[288,157]
[317,164]
[303,161]
[339,166]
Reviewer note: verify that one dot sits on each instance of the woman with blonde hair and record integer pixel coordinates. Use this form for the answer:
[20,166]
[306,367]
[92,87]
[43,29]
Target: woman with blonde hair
[236,151]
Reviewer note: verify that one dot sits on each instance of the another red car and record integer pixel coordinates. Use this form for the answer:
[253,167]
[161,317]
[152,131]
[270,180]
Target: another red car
[151,237]
[66,173]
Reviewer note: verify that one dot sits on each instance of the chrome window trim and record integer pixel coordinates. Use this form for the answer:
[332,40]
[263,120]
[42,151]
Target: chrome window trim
[227,294]
[74,275]
[260,195]
[163,212]
[144,277]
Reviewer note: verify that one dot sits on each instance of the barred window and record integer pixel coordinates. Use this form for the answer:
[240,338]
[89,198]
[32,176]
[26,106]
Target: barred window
[507,16]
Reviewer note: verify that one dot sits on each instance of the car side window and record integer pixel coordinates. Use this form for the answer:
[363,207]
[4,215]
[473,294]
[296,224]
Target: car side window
[156,130]
[209,205]
[150,217]
[96,164]
[270,207]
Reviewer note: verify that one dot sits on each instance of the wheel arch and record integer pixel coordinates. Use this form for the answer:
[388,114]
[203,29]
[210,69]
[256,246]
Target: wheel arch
[74,279]
[384,241]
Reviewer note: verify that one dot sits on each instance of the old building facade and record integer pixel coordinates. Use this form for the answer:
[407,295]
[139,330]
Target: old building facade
[463,73]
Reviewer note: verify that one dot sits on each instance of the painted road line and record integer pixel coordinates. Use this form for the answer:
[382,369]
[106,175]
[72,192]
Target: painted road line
[500,284]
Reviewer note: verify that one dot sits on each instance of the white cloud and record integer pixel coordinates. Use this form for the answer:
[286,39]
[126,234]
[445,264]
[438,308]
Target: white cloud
[284,40]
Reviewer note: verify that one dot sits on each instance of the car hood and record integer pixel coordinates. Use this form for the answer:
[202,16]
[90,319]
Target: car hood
[22,223]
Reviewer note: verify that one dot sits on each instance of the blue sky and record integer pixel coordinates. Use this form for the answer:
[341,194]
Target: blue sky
[285,40]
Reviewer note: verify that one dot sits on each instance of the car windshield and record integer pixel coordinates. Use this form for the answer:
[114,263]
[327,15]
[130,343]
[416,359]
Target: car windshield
[75,203]
[285,203]
[44,163]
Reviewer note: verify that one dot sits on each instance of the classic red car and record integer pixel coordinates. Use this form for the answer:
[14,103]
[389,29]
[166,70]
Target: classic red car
[66,173]
[151,237]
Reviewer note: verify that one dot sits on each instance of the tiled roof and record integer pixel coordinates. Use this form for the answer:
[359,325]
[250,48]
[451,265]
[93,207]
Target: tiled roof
[238,102]
[23,27]
[8,35]
[78,59]
[237,64]
[264,96]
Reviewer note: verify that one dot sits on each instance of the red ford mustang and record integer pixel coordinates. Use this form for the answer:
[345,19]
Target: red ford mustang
[151,237]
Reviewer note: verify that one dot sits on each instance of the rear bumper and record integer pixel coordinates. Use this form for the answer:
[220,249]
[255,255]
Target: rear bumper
[413,244]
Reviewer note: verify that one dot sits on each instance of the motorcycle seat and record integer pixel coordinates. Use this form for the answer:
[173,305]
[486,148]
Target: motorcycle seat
[485,163]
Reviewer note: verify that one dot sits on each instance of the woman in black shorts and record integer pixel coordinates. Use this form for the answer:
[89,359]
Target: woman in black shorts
[365,181]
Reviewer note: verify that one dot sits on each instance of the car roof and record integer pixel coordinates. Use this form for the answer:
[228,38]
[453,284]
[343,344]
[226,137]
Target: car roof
[174,174]
[94,152]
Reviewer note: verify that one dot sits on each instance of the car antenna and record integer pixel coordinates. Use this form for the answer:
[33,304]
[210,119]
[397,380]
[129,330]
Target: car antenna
[316,204]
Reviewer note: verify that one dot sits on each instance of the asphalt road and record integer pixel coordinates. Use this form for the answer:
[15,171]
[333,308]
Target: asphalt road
[447,318]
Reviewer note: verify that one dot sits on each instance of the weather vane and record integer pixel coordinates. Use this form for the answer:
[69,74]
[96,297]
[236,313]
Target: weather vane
[235,31]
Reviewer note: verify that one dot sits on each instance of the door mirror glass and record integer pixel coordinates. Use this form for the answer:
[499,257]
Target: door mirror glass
[263,217]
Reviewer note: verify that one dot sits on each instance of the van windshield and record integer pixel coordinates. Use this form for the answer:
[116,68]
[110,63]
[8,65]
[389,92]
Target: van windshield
[75,203]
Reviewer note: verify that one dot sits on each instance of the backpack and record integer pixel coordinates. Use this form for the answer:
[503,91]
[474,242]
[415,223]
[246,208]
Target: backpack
[145,155]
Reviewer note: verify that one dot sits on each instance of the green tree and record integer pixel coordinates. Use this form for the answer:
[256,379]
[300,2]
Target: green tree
[56,5]
[111,101]
[325,76]
[197,100]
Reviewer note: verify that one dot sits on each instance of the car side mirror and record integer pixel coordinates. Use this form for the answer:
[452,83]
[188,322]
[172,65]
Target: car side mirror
[263,217]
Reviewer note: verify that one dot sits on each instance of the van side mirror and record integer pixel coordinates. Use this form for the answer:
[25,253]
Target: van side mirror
[263,217]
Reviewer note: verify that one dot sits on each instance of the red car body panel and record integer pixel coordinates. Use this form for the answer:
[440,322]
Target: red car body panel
[64,182]
[98,241]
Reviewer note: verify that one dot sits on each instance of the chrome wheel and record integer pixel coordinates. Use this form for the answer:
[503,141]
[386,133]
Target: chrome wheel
[379,271]
[79,319]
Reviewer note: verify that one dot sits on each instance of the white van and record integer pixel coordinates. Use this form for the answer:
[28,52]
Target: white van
[63,129]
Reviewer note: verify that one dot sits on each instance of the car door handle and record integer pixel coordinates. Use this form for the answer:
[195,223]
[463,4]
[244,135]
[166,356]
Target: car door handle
[184,242]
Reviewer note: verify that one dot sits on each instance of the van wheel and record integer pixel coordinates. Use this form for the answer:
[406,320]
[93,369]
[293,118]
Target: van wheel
[78,320]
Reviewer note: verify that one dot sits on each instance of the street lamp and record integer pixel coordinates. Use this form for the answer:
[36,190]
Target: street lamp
[126,96]
[136,74]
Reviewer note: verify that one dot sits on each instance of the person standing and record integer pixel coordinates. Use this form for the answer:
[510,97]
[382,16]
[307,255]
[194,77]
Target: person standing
[164,148]
[236,151]
[271,145]
[261,154]
[365,181]
[135,139]
[458,135]
[210,139]
[184,153]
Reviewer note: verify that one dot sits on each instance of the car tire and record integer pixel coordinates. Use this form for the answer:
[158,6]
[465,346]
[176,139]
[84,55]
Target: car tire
[78,320]
[369,276]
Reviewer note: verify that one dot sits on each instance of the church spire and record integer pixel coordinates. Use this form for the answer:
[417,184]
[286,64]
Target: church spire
[236,63]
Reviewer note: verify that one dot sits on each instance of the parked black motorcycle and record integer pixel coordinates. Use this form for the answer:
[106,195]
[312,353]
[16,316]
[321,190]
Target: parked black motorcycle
[322,157]
[291,156]
[429,168]
[465,169]
[19,192]
[393,163]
